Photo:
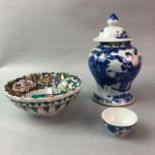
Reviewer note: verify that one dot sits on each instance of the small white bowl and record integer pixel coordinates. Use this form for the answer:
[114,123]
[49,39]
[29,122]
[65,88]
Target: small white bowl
[119,121]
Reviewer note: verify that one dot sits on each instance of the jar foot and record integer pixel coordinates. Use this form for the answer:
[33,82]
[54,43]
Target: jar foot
[123,99]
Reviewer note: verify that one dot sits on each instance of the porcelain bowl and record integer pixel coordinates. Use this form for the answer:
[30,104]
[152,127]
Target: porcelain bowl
[119,121]
[43,94]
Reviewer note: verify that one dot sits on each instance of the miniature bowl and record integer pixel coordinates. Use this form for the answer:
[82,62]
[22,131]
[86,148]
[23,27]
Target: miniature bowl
[119,121]
[43,94]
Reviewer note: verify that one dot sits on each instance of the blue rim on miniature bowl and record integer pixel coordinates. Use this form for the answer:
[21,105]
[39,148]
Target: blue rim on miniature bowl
[43,93]
[119,121]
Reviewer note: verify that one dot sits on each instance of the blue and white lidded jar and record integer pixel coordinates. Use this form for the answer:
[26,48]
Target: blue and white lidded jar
[114,64]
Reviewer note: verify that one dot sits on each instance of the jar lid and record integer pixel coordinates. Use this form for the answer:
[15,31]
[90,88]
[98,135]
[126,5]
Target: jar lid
[112,33]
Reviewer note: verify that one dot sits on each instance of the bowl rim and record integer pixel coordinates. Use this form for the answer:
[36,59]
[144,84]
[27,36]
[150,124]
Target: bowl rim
[45,99]
[117,124]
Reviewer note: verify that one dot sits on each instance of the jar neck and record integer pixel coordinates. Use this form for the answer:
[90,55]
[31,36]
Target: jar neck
[122,45]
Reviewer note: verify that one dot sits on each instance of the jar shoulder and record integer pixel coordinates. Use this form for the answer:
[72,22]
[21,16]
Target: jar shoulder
[110,52]
[128,57]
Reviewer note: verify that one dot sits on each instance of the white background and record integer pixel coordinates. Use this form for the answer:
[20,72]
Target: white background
[56,35]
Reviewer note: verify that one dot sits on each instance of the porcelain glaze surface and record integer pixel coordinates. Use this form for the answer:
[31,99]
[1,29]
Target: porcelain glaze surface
[117,130]
[114,63]
[119,121]
[43,93]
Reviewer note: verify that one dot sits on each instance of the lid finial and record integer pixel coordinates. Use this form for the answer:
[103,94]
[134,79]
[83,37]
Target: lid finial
[113,32]
[112,20]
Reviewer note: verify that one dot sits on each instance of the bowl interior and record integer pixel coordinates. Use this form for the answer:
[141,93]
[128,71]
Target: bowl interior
[40,85]
[119,116]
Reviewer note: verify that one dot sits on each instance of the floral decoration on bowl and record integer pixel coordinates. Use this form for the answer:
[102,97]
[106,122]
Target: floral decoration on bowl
[43,93]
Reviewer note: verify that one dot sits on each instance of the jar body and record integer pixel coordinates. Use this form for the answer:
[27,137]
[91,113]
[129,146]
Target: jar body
[114,67]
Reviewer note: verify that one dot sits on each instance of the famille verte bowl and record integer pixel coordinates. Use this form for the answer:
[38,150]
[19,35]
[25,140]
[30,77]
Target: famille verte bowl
[43,94]
[114,64]
[119,121]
